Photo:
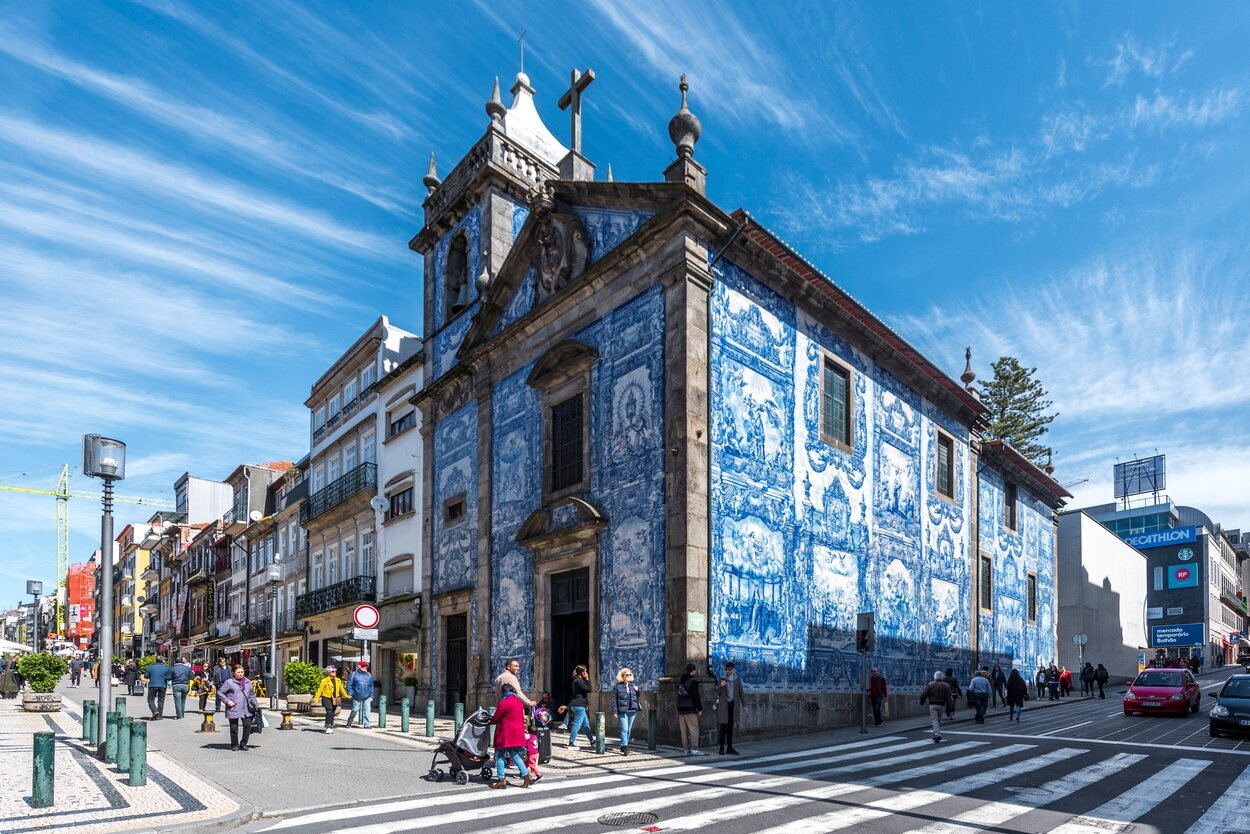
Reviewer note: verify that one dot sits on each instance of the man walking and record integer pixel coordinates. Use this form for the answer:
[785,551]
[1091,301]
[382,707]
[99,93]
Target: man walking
[878,690]
[221,674]
[689,708]
[180,684]
[75,671]
[158,681]
[360,687]
[937,694]
[729,704]
[979,693]
[1101,676]
[1087,679]
[508,677]
[1000,685]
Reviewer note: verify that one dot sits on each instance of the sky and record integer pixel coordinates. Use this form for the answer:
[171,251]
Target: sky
[202,205]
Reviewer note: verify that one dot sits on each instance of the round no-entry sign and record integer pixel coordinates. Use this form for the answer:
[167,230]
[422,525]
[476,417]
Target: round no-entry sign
[366,616]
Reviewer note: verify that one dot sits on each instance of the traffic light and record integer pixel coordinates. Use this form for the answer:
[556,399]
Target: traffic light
[865,632]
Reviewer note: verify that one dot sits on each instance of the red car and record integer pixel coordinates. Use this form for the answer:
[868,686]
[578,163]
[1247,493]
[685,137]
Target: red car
[1163,690]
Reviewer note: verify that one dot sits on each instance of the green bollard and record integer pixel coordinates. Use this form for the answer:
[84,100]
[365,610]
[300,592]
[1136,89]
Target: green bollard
[93,725]
[491,712]
[44,771]
[459,717]
[109,749]
[119,706]
[651,729]
[403,715]
[601,724]
[429,719]
[381,712]
[86,720]
[124,731]
[138,755]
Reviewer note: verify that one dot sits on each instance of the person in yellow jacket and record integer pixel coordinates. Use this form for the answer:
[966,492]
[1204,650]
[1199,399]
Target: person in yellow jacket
[331,694]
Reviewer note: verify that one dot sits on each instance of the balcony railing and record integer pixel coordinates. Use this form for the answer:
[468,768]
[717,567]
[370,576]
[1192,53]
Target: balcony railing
[358,589]
[250,631]
[363,477]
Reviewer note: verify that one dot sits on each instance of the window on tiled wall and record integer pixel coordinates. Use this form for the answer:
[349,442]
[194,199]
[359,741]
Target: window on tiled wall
[987,583]
[1032,597]
[1010,507]
[946,465]
[836,405]
[566,443]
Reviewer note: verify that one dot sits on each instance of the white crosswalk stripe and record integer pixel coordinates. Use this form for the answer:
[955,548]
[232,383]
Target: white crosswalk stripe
[1229,811]
[1136,801]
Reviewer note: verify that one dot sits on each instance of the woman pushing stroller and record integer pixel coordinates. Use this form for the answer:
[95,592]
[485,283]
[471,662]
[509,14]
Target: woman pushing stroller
[510,743]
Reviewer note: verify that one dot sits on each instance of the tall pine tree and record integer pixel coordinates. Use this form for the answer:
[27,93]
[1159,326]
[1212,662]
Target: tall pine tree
[1018,405]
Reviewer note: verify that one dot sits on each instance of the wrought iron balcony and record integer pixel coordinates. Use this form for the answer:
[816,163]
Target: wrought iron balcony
[253,630]
[348,592]
[363,478]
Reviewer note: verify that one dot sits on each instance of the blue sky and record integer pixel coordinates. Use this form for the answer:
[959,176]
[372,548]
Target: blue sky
[201,205]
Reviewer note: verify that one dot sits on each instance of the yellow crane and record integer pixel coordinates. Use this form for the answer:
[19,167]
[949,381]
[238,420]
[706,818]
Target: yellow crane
[62,494]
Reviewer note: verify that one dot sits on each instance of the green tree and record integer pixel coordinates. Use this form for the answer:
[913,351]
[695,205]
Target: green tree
[1018,408]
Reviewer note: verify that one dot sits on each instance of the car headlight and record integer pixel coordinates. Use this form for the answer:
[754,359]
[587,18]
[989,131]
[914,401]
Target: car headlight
[1219,711]
[1179,696]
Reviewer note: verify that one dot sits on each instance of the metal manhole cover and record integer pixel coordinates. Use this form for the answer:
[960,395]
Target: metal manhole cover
[630,818]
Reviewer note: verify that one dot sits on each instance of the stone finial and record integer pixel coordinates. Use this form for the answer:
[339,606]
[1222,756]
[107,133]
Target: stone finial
[431,180]
[967,376]
[494,107]
[483,280]
[610,173]
[684,128]
[1049,468]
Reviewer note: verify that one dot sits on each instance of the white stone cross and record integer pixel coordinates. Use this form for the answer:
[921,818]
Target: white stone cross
[573,98]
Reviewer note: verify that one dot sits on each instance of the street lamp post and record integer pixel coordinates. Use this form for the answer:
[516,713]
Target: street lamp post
[275,577]
[105,459]
[35,588]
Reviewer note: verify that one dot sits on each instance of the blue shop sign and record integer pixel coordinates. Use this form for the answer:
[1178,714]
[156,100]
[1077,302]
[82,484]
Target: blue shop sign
[1161,538]
[1187,634]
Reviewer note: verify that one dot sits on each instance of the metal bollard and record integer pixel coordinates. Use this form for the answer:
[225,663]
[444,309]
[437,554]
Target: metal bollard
[138,755]
[86,720]
[109,748]
[119,705]
[93,725]
[403,715]
[43,771]
[459,717]
[124,730]
[601,724]
[381,712]
[207,725]
[491,712]
[286,721]
[429,719]
[651,729]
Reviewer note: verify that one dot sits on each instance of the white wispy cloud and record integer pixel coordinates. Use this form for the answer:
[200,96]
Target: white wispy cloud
[1164,111]
[1151,61]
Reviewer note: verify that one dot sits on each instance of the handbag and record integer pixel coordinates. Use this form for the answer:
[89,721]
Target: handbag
[257,717]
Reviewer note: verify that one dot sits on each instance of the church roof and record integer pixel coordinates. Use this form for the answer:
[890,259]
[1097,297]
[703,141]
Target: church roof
[523,124]
[1020,468]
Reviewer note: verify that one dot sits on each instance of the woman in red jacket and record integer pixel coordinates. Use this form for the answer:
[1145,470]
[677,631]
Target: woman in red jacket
[509,721]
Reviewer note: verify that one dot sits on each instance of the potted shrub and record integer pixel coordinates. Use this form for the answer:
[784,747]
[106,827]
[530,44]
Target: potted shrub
[410,685]
[302,680]
[42,671]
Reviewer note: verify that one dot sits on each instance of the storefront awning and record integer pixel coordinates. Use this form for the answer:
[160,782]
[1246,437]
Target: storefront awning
[399,634]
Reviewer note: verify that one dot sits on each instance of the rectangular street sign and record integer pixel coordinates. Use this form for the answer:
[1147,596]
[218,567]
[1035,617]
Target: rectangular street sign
[1187,634]
[365,634]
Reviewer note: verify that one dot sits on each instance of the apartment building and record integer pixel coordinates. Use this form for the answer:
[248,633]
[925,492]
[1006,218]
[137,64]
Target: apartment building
[340,524]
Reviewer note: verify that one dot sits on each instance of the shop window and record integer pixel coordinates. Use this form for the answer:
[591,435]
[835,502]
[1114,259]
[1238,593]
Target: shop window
[1011,507]
[454,511]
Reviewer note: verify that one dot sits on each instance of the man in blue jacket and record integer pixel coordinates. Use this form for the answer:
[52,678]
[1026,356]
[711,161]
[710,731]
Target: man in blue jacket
[180,684]
[360,688]
[158,681]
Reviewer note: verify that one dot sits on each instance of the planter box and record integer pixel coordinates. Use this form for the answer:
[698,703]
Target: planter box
[41,701]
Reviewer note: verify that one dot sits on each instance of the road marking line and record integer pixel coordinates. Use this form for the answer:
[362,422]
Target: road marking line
[1069,727]
[1151,745]
[1136,801]
[1229,811]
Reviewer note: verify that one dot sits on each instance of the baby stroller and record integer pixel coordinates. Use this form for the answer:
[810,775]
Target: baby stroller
[470,748]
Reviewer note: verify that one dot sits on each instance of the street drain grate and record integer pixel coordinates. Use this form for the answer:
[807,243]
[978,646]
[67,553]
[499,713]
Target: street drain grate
[630,818]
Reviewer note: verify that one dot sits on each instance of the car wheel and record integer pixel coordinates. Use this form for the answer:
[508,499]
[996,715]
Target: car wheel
[1214,733]
[1195,706]
[1128,712]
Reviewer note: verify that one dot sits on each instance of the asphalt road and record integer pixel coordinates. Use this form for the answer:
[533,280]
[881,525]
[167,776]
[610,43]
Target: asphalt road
[1079,768]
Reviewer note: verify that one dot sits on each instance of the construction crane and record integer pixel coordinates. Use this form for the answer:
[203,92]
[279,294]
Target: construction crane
[62,494]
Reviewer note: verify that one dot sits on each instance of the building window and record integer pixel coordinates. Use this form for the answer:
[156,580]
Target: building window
[453,511]
[318,478]
[1032,597]
[836,418]
[332,467]
[946,465]
[1010,513]
[368,448]
[1158,579]
[318,571]
[349,557]
[401,504]
[349,391]
[456,277]
[366,554]
[319,418]
[366,377]
[987,583]
[566,443]
[349,456]
[332,564]
[333,407]
[402,423]
[397,577]
[282,546]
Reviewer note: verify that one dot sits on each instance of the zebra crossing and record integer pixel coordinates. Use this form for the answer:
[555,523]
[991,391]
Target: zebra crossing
[890,783]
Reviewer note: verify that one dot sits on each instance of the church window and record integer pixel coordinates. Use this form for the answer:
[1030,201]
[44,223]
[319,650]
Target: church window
[456,277]
[453,511]
[836,413]
[987,583]
[1010,504]
[945,466]
[1032,597]
[566,443]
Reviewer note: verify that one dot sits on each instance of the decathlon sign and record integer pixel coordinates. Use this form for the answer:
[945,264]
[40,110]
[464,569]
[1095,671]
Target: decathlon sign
[1160,538]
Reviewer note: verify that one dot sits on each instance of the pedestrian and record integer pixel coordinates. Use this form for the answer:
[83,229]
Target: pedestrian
[130,677]
[1052,682]
[1065,682]
[9,686]
[509,721]
[531,755]
[625,705]
[203,686]
[878,691]
[730,703]
[938,695]
[360,687]
[1039,681]
[579,720]
[179,684]
[221,674]
[956,693]
[1087,679]
[1193,664]
[1101,676]
[689,709]
[979,693]
[241,704]
[510,677]
[1017,691]
[330,693]
[158,681]
[75,671]
[1000,684]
